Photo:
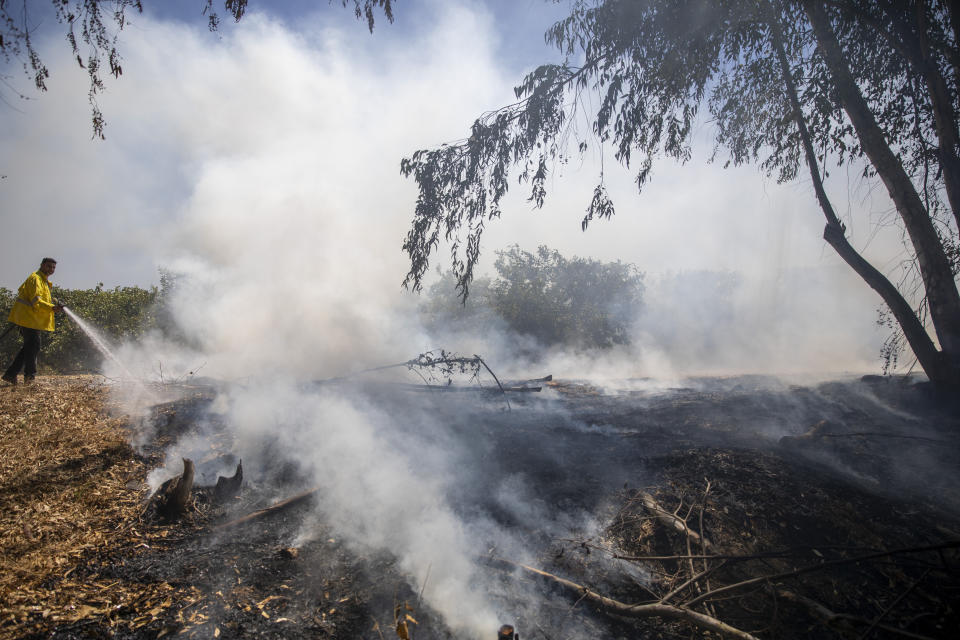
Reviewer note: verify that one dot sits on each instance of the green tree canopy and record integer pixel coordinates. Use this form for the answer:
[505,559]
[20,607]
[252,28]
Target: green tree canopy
[121,313]
[566,301]
[542,295]
[786,83]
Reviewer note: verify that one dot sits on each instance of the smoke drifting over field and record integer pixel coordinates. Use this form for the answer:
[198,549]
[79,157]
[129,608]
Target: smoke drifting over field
[275,156]
[272,180]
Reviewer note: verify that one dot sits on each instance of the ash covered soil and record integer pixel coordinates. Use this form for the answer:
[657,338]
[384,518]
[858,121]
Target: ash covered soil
[774,510]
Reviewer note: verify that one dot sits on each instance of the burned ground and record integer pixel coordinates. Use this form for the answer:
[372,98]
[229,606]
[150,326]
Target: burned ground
[837,500]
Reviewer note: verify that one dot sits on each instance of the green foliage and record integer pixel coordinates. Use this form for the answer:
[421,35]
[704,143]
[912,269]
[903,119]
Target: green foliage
[117,314]
[651,66]
[870,82]
[10,342]
[559,301]
[442,309]
[576,302]
[649,63]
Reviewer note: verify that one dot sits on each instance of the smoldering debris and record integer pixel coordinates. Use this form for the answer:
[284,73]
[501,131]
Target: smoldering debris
[391,500]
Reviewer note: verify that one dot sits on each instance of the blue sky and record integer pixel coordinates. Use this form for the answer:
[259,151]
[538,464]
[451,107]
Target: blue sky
[519,24]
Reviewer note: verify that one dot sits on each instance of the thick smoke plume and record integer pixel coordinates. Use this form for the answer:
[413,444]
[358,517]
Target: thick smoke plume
[274,154]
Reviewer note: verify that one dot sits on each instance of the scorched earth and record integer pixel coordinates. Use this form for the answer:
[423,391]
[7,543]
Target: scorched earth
[717,507]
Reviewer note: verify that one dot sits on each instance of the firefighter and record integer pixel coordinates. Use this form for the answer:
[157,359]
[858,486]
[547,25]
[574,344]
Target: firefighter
[33,312]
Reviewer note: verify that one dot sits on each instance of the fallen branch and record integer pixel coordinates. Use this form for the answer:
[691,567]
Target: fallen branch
[259,513]
[672,521]
[812,437]
[842,621]
[497,380]
[430,388]
[952,544]
[648,610]
[445,362]
[693,580]
[873,434]
[876,621]
[762,555]
[521,383]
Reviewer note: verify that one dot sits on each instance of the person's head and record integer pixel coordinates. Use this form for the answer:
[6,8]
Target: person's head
[48,266]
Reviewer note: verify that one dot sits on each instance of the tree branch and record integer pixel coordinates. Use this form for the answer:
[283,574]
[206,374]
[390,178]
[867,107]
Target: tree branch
[953,544]
[649,610]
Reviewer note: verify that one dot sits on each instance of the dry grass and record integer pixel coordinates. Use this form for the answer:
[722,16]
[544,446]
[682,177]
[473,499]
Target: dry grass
[71,490]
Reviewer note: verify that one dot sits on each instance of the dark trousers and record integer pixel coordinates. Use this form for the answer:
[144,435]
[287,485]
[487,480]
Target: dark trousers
[26,359]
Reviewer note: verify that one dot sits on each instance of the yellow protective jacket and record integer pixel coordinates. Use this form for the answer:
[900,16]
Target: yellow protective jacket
[33,307]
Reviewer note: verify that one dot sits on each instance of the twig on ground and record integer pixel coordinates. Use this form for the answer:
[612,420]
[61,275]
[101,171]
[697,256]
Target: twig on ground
[692,580]
[672,520]
[842,621]
[259,513]
[952,544]
[893,604]
[645,610]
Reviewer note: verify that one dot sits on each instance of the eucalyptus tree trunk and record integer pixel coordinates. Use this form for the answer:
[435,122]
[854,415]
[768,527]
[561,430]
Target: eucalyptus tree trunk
[954,12]
[943,299]
[917,51]
[932,361]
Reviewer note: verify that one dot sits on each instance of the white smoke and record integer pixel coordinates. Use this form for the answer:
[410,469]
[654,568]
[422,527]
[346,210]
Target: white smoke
[264,169]
[286,252]
[383,495]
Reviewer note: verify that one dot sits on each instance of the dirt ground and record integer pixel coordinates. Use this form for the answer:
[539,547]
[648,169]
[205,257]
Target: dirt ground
[784,511]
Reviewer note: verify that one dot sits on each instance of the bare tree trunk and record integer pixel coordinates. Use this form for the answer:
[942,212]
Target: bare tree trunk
[953,53]
[943,112]
[916,49]
[934,362]
[920,342]
[943,298]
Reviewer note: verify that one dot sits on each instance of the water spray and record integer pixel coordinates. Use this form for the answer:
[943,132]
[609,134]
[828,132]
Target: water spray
[98,341]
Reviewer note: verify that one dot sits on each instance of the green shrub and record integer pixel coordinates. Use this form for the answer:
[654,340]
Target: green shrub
[116,314]
[575,302]
[442,309]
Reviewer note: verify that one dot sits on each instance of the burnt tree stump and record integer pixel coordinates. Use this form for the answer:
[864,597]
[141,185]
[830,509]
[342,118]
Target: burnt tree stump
[173,496]
[227,488]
